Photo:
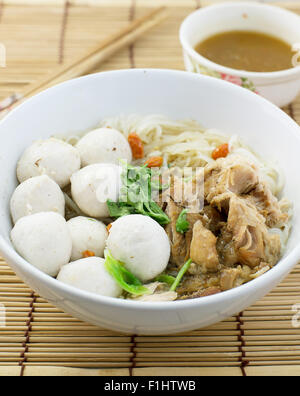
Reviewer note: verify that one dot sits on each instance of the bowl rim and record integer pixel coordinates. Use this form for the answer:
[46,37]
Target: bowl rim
[285,75]
[283,267]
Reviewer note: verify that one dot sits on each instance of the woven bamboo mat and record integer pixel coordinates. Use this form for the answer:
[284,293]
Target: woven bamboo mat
[39,339]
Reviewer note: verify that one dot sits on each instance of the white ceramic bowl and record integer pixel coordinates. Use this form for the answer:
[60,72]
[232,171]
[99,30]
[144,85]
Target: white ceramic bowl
[280,87]
[79,105]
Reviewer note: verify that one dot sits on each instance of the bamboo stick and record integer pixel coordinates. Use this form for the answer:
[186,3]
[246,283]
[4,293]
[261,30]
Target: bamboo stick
[34,339]
[186,371]
[96,365]
[58,371]
[191,364]
[102,52]
[142,3]
[183,347]
[273,371]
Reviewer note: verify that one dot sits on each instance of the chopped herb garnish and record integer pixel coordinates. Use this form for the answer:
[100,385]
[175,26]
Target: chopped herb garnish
[123,277]
[119,209]
[182,224]
[181,275]
[139,184]
[168,279]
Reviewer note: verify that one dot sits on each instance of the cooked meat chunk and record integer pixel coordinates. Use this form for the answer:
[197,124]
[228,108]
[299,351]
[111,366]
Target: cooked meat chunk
[176,202]
[230,175]
[179,248]
[221,202]
[241,178]
[189,192]
[203,248]
[268,205]
[235,175]
[229,277]
[252,241]
[210,291]
[192,218]
[229,239]
[192,283]
[273,249]
[180,243]
[212,219]
[226,248]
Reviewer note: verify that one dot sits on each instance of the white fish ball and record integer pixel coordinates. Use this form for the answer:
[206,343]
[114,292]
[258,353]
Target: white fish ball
[104,145]
[44,240]
[141,244]
[38,194]
[87,235]
[52,157]
[93,185]
[90,274]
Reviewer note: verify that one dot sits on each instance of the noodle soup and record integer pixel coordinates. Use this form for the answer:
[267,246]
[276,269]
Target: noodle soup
[149,209]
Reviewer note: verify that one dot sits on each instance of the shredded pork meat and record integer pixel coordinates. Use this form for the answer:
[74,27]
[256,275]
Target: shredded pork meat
[229,175]
[204,248]
[230,239]
[252,242]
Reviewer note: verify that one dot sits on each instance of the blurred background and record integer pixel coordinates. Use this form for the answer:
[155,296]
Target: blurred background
[40,34]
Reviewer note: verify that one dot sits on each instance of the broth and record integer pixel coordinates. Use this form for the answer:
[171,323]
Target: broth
[249,51]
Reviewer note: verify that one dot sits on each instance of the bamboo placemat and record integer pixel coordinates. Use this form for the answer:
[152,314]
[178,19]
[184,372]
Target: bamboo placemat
[40,339]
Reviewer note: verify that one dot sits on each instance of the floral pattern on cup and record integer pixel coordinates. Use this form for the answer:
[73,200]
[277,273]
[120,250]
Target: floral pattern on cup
[240,81]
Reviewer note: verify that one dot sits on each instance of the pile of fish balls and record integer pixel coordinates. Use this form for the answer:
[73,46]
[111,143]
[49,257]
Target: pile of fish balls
[73,250]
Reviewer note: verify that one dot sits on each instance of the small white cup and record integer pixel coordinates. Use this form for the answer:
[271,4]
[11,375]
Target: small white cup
[280,87]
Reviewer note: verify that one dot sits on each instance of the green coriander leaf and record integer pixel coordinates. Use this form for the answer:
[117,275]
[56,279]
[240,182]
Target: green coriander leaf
[182,224]
[181,275]
[153,210]
[123,277]
[138,185]
[166,279]
[119,209]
